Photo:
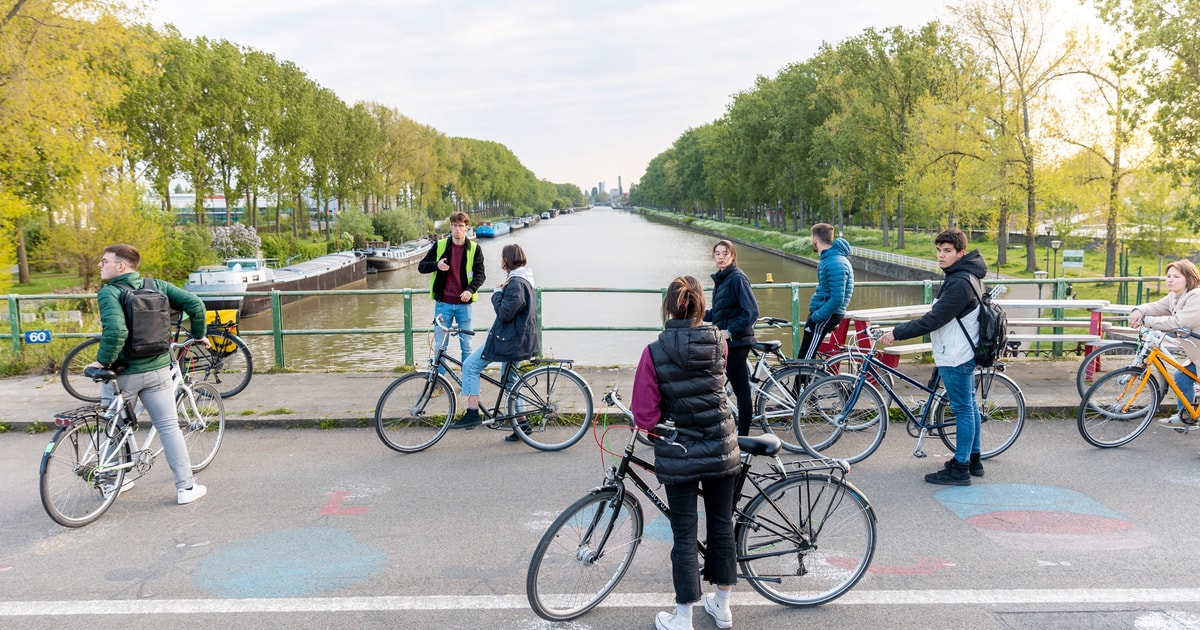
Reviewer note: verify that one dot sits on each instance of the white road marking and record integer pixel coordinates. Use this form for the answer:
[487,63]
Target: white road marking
[645,600]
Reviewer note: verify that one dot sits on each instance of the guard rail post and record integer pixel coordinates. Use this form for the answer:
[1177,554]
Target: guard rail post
[14,322]
[795,316]
[277,327]
[409,356]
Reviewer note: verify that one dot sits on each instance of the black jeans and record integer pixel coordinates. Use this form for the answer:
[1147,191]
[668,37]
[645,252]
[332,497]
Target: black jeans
[738,373]
[720,557]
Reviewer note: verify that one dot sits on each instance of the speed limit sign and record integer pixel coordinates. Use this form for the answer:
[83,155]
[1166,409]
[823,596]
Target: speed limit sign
[37,336]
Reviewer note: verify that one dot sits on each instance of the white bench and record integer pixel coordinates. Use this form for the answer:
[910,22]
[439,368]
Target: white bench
[1049,338]
[908,348]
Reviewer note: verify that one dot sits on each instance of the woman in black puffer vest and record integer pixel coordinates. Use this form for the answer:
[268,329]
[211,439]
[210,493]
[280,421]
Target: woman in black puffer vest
[680,378]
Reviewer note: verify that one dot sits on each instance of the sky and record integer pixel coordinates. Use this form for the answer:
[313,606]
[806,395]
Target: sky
[582,91]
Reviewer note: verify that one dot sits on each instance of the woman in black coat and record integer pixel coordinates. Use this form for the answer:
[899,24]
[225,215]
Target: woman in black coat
[734,311]
[512,337]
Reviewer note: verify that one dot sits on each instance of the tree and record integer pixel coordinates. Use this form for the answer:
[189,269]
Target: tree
[1014,36]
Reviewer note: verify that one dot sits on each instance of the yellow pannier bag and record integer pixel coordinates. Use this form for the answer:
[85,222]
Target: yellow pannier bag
[227,320]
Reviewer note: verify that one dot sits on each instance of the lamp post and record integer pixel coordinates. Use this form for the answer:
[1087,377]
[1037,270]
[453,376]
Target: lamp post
[1054,245]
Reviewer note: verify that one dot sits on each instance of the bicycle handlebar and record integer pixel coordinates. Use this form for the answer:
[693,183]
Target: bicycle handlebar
[774,322]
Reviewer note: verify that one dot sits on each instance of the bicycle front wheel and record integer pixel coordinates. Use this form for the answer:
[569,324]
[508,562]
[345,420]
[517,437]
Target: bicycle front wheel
[72,492]
[1117,408]
[552,406]
[806,540]
[584,555]
[831,421]
[414,412]
[1001,415]
[202,422]
[775,401]
[228,365]
[71,375]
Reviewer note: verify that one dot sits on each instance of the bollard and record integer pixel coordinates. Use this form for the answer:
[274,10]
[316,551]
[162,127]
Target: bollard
[770,278]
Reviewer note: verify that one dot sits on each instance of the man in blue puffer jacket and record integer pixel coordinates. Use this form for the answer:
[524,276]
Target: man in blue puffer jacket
[835,285]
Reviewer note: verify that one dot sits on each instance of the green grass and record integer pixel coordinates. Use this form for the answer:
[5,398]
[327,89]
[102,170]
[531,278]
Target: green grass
[279,411]
[46,282]
[248,412]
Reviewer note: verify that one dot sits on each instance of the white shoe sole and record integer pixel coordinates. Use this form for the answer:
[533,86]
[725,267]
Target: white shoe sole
[708,608]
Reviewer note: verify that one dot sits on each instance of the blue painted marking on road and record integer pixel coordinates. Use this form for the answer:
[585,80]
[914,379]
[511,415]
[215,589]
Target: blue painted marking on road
[659,528]
[969,501]
[289,563]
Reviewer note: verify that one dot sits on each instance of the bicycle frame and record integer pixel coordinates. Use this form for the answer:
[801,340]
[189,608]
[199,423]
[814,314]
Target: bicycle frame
[509,376]
[615,477]
[872,368]
[1158,360]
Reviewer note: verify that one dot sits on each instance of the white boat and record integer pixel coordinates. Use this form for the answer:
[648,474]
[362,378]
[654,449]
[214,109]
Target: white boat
[383,256]
[322,273]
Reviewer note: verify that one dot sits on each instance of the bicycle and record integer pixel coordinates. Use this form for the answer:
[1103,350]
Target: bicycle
[804,535]
[549,402]
[228,364]
[1119,406]
[1125,353]
[85,464]
[775,381]
[844,416]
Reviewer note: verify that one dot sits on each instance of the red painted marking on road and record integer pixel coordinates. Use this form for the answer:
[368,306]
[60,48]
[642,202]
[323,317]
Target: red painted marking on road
[5,567]
[924,566]
[1043,522]
[335,505]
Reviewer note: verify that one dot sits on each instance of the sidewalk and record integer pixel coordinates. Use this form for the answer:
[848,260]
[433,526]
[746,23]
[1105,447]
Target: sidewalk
[348,398]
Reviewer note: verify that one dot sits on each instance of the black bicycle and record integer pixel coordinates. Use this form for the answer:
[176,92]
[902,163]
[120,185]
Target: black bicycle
[228,365]
[549,403]
[804,535]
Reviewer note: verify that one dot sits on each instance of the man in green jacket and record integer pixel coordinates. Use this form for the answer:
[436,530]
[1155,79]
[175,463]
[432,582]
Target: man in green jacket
[147,378]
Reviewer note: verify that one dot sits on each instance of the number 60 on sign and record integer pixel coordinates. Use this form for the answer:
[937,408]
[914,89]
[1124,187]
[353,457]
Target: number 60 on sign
[37,336]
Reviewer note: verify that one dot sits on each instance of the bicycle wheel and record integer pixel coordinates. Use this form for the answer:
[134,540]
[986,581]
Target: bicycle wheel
[414,412]
[202,427]
[1001,415]
[73,494]
[831,421]
[1117,408]
[556,405]
[806,540]
[583,555]
[1106,358]
[71,375]
[228,365]
[850,363]
[775,401]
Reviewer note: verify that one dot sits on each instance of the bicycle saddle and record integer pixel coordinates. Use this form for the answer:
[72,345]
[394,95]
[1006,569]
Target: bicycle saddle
[99,374]
[767,346]
[760,444]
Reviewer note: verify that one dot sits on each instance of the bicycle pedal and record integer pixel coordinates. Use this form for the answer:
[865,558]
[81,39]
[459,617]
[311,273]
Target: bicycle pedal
[1185,429]
[488,422]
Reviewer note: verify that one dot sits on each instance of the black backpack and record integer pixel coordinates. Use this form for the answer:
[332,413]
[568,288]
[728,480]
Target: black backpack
[993,328]
[148,319]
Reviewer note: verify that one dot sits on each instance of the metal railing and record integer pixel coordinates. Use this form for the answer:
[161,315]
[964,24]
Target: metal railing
[408,329]
[896,259]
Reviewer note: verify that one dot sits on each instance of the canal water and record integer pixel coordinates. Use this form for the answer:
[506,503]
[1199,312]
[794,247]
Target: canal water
[597,248]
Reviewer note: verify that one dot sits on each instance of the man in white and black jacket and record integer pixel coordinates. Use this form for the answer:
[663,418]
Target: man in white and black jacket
[954,316]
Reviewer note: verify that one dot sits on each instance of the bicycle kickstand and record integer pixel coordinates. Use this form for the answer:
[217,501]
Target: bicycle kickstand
[919,452]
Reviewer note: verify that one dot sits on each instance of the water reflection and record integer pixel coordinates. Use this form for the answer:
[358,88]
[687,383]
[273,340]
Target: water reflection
[599,248]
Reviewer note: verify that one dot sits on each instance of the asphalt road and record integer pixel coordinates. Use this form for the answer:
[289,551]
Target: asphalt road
[310,528]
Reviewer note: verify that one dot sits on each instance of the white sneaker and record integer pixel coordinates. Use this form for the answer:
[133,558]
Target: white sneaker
[670,621]
[126,486]
[1173,421]
[720,614]
[187,495]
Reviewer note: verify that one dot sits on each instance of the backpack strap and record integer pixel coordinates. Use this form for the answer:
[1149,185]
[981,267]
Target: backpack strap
[979,296]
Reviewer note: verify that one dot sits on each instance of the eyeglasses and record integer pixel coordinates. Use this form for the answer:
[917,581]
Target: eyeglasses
[105,261]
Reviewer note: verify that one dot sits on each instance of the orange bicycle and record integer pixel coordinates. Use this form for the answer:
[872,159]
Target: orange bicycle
[1118,407]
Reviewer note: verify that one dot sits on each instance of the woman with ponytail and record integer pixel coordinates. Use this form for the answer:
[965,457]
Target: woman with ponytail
[681,379]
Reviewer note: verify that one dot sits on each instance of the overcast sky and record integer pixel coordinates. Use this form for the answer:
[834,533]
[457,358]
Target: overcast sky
[582,91]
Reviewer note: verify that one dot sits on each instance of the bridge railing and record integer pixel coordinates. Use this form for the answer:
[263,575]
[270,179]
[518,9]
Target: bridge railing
[18,320]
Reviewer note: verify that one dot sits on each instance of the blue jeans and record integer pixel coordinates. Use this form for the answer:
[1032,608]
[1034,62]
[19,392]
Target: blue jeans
[1186,385]
[473,367]
[451,314]
[720,556]
[959,382]
[157,394]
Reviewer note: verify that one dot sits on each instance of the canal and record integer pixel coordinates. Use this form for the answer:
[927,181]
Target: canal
[597,248]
